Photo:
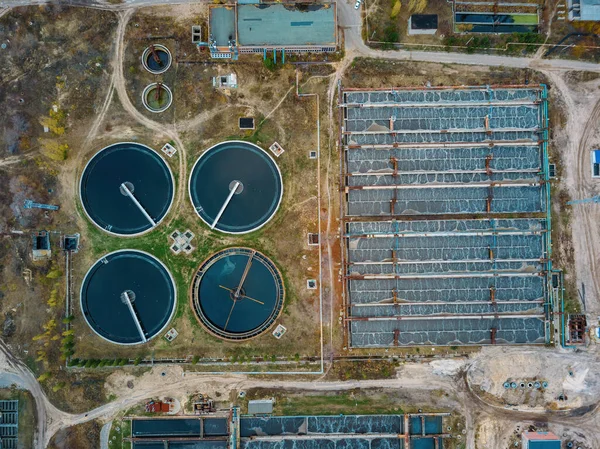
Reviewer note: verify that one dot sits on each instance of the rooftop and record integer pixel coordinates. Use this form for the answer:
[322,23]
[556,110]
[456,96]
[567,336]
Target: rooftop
[260,407]
[280,25]
[590,10]
[541,440]
[222,24]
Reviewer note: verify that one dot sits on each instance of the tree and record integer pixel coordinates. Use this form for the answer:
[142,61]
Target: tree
[53,149]
[53,125]
[54,274]
[396,9]
[53,298]
[44,376]
[417,6]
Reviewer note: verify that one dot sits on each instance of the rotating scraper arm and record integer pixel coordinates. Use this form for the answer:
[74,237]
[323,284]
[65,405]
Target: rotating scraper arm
[129,193]
[225,204]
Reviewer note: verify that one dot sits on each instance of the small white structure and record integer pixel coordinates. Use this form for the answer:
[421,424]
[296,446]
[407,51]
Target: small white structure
[311,284]
[276,149]
[182,241]
[260,407]
[171,335]
[313,239]
[168,149]
[279,331]
[225,81]
[196,34]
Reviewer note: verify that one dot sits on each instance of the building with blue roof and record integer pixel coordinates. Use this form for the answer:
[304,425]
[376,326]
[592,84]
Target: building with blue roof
[540,440]
[247,27]
[586,10]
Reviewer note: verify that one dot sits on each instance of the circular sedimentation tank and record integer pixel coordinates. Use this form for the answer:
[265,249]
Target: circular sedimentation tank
[128,297]
[235,187]
[157,97]
[237,294]
[115,172]
[156,59]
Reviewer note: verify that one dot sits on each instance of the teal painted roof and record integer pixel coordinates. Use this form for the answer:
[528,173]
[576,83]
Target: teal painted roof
[222,24]
[286,25]
[590,10]
[544,444]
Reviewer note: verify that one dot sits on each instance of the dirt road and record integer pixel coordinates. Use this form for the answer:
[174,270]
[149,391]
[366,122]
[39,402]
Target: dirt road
[14,372]
[582,108]
[424,380]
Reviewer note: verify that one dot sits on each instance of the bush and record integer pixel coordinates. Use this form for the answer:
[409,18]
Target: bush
[269,64]
[390,33]
[195,359]
[44,376]
[53,274]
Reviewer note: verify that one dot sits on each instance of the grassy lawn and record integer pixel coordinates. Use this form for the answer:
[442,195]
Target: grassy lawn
[119,430]
[525,19]
[362,402]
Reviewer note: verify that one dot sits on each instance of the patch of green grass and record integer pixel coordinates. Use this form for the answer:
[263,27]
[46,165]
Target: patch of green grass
[157,244]
[350,402]
[525,19]
[115,437]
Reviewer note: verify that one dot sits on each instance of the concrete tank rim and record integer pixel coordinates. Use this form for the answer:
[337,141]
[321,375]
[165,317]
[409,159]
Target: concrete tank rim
[200,320]
[116,234]
[280,177]
[172,314]
[145,54]
[157,111]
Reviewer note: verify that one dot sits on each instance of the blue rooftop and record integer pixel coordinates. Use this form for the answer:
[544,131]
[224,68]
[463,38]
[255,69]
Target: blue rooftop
[286,25]
[544,444]
[222,24]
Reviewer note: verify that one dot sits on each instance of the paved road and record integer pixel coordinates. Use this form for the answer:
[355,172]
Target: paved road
[349,20]
[15,372]
[104,434]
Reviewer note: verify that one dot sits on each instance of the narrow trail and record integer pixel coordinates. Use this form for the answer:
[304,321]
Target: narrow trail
[71,173]
[160,128]
[582,126]
[16,372]
[50,419]
[591,240]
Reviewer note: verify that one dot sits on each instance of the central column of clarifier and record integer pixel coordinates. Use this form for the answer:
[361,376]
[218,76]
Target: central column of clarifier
[128,297]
